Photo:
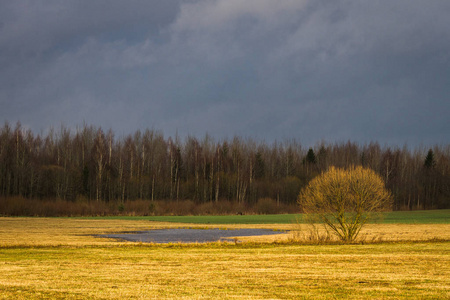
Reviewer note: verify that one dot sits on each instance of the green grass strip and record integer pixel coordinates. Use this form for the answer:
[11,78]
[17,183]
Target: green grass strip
[244,219]
[397,217]
[441,216]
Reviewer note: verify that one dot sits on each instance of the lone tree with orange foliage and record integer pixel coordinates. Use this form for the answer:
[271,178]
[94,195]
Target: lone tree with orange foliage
[345,199]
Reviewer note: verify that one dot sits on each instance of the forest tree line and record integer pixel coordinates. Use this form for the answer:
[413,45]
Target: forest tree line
[94,165]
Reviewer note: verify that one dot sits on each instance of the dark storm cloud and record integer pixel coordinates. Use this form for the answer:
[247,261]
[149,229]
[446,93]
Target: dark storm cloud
[312,70]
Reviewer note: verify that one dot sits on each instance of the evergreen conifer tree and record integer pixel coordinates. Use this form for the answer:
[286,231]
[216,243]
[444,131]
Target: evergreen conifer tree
[429,160]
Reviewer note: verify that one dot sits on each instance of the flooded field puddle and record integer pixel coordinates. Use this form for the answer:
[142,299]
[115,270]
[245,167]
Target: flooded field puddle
[188,235]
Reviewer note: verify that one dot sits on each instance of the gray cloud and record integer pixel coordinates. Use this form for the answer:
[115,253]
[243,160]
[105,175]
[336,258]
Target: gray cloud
[310,70]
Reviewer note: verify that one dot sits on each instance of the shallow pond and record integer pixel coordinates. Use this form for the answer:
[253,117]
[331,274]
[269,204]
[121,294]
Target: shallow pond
[187,235]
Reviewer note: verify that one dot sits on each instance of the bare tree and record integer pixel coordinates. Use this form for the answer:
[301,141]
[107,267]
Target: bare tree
[345,199]
[100,160]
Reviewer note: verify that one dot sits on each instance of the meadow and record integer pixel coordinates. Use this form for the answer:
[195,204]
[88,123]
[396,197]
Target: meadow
[406,256]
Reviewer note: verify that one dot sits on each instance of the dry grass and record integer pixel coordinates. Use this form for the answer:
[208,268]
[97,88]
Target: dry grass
[311,234]
[79,232]
[375,233]
[319,272]
[65,231]
[57,259]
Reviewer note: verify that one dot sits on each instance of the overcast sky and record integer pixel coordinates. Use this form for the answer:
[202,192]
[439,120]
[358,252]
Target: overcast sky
[312,70]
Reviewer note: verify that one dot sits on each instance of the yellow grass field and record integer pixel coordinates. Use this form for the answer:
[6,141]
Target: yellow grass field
[58,258]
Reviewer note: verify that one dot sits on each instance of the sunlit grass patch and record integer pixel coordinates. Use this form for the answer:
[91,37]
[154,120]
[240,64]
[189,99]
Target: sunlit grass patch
[418,270]
[80,232]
